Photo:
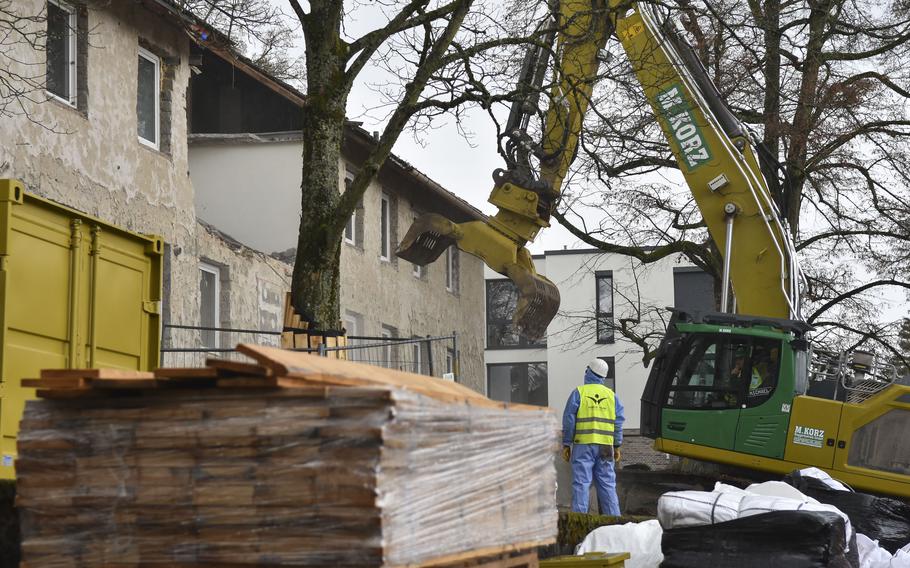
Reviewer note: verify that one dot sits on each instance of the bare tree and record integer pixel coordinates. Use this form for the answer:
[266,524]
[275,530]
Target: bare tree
[824,85]
[22,79]
[441,57]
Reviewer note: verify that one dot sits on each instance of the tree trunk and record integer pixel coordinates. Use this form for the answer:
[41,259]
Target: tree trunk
[315,283]
[805,110]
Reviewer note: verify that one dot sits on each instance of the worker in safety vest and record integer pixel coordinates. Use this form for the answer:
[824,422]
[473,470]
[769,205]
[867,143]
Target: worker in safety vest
[591,437]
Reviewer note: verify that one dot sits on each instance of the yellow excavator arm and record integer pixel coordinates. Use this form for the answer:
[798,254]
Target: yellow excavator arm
[716,155]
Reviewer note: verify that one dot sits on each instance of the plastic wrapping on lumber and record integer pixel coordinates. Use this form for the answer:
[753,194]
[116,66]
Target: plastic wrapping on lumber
[336,476]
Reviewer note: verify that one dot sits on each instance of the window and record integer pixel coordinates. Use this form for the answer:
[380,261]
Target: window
[209,303]
[717,372]
[61,51]
[610,379]
[604,318]
[502,301]
[389,350]
[525,383]
[452,269]
[450,360]
[148,92]
[385,227]
[350,230]
[416,358]
[353,326]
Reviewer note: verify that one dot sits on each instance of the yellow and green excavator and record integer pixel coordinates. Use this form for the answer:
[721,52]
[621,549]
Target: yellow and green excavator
[743,386]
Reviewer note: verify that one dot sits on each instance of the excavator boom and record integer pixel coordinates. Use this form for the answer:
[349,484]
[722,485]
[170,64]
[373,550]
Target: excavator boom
[526,201]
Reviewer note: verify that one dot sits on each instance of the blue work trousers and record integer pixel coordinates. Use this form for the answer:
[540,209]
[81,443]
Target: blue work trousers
[593,461]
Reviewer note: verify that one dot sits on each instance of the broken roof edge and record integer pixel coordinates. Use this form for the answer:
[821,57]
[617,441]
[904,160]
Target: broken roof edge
[221,45]
[238,246]
[356,134]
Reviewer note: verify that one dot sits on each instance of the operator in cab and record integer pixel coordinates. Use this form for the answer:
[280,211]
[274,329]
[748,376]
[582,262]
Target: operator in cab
[591,437]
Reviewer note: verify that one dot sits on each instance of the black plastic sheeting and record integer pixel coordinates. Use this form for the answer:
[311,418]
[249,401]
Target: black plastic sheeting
[780,539]
[879,518]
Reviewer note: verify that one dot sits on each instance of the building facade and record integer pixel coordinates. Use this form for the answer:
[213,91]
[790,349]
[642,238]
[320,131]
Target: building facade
[106,134]
[244,158]
[103,126]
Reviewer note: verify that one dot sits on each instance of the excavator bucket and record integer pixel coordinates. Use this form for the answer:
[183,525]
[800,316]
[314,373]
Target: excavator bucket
[538,301]
[429,236]
[538,298]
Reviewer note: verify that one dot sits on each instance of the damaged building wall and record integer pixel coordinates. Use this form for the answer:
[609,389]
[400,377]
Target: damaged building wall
[245,175]
[250,296]
[88,156]
[388,294]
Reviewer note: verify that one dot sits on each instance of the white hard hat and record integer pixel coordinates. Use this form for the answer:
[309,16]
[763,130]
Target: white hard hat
[599,367]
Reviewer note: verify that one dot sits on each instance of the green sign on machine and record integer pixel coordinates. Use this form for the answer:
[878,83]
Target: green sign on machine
[75,292]
[685,132]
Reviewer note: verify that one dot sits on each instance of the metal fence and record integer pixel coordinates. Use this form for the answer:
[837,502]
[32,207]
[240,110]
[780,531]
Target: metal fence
[190,346]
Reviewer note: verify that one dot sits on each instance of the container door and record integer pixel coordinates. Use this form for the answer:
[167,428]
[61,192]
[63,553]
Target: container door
[45,270]
[76,293]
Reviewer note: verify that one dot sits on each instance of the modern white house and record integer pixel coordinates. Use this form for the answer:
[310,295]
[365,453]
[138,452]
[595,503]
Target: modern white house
[601,296]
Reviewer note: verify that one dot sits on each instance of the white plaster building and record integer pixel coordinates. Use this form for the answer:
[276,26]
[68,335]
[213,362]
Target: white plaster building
[598,291]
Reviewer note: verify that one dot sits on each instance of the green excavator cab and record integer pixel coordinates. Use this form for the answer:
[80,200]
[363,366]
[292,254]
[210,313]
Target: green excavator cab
[751,392]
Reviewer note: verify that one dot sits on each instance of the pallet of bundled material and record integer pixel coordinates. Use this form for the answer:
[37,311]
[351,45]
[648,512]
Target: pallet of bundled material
[288,460]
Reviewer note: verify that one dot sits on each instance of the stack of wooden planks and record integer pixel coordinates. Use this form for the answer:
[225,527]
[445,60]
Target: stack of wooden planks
[296,334]
[288,460]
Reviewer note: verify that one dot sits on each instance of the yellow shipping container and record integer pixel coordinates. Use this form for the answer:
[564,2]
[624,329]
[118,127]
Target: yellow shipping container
[75,292]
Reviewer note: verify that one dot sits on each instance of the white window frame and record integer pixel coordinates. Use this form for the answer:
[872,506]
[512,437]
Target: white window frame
[352,222]
[415,352]
[387,333]
[385,205]
[450,269]
[149,56]
[216,271]
[450,361]
[71,67]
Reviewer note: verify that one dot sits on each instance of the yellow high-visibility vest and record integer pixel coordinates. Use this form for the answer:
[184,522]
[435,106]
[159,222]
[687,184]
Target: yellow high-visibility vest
[596,416]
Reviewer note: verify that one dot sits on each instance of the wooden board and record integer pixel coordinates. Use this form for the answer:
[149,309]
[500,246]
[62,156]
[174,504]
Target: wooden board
[225,366]
[95,374]
[186,372]
[315,369]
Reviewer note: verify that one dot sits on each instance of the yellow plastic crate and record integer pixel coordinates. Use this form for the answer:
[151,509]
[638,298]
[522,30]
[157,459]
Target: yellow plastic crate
[590,560]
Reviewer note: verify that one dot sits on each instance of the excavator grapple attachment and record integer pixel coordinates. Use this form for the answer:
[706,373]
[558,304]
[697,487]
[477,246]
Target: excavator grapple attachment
[538,298]
[429,236]
[538,301]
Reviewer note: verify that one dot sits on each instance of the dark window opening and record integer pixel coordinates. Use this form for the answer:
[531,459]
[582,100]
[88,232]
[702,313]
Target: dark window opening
[604,283]
[502,301]
[610,379]
[524,383]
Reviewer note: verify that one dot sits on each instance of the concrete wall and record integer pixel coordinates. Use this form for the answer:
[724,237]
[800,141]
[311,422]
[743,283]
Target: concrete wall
[252,291]
[91,160]
[639,291]
[246,177]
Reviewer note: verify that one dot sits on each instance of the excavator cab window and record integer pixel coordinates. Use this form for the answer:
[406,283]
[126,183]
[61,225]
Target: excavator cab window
[716,372]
